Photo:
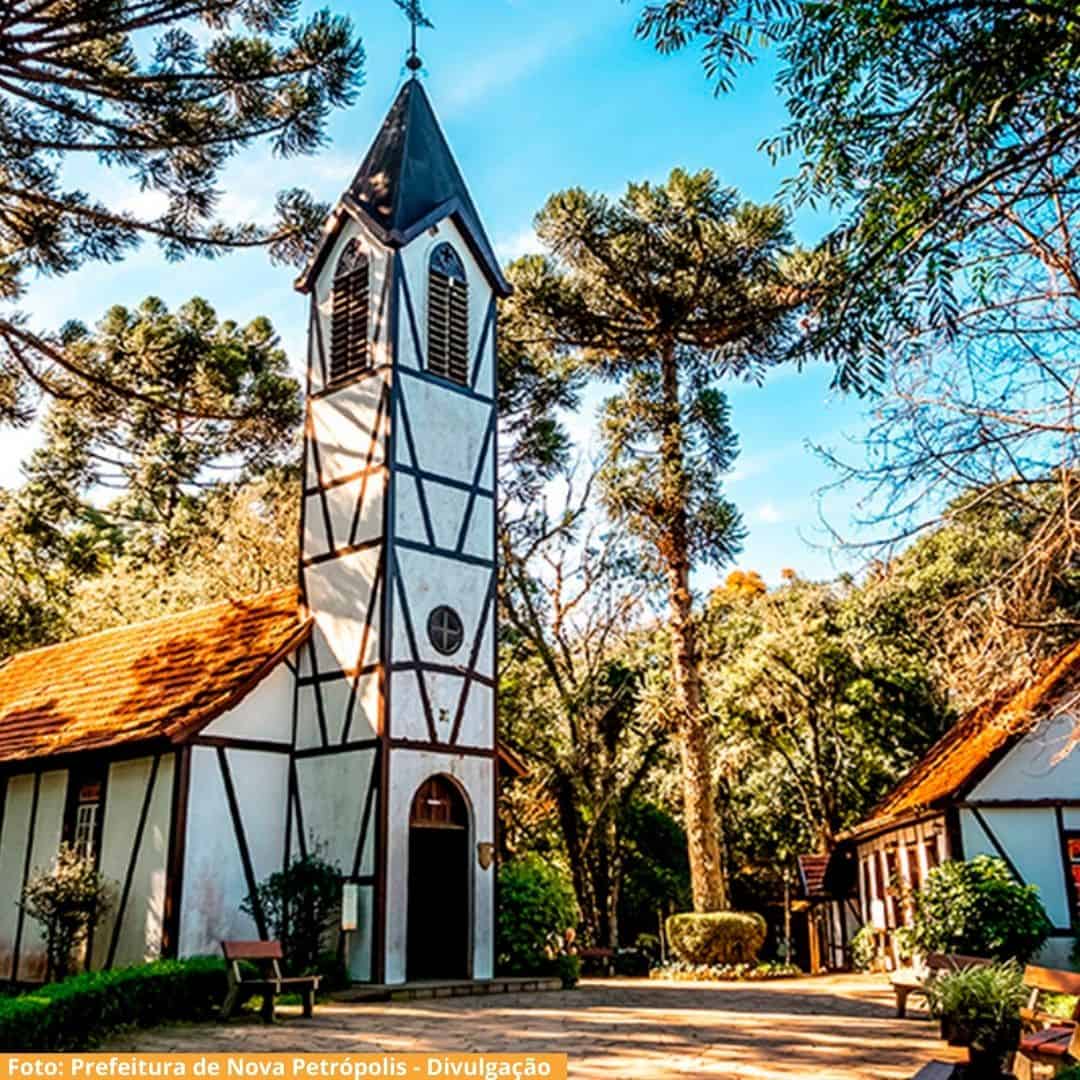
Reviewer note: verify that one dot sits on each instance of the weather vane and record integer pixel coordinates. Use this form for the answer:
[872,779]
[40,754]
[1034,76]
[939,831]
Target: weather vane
[415,14]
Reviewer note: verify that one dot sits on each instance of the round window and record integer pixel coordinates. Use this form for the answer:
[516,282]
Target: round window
[445,630]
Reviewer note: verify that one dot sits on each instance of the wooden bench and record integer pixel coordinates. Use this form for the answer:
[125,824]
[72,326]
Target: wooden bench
[1047,1039]
[265,956]
[603,958]
[910,981]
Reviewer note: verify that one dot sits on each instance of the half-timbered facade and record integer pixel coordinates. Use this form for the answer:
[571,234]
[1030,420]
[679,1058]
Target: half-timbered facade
[1005,781]
[193,756]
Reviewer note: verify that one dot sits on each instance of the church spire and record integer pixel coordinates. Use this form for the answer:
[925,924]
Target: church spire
[409,181]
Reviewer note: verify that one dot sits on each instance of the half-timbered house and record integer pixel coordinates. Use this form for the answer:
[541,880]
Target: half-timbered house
[1004,781]
[193,755]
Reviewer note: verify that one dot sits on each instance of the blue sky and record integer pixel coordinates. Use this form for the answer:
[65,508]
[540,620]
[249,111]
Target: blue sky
[535,95]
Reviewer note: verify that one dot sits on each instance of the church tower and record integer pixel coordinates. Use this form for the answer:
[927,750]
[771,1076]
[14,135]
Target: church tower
[394,716]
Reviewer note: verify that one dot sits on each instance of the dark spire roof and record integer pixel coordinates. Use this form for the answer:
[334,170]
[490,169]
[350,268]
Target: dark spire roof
[409,181]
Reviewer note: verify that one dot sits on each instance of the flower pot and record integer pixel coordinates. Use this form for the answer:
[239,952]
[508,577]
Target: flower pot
[956,1032]
[990,1054]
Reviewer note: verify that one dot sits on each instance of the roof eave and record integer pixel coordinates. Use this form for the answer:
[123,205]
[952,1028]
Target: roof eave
[182,733]
[453,208]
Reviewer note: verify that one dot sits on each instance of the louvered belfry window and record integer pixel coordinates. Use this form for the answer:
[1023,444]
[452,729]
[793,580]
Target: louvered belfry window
[448,316]
[349,319]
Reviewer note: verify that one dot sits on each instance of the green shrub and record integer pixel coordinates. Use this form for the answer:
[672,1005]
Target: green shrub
[334,971]
[535,900]
[716,937]
[302,906]
[66,901]
[977,908]
[864,949]
[568,968]
[78,1012]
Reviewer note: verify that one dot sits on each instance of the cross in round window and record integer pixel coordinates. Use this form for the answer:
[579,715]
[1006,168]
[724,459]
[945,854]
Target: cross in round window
[445,630]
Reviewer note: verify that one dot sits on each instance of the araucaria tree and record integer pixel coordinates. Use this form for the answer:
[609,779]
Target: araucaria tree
[662,292]
[166,92]
[946,137]
[201,401]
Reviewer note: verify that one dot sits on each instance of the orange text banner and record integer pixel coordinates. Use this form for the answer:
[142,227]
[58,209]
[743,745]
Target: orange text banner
[16,1066]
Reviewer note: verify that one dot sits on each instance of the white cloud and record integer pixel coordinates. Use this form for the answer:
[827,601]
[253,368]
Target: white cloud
[523,242]
[768,513]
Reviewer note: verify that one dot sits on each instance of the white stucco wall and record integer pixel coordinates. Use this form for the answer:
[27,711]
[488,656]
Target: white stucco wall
[1029,836]
[333,792]
[339,593]
[264,715]
[214,883]
[333,789]
[142,918]
[1045,764]
[43,848]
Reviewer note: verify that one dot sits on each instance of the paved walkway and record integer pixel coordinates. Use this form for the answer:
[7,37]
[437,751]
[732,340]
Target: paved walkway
[827,1028]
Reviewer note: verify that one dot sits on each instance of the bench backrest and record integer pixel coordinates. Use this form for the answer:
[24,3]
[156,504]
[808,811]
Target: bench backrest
[252,950]
[1051,980]
[937,961]
[1041,980]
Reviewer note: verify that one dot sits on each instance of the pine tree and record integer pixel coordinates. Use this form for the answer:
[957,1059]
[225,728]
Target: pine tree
[165,92]
[662,292]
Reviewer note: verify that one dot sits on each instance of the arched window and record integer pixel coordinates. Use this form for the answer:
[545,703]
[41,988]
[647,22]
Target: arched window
[349,318]
[448,316]
[438,804]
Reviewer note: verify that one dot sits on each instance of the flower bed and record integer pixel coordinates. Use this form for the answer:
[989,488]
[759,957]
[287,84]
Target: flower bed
[724,972]
[80,1011]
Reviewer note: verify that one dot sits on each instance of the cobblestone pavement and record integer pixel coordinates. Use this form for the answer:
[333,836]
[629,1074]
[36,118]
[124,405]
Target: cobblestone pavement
[828,1028]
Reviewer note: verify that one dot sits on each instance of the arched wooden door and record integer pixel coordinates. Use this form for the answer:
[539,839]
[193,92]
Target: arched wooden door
[438,917]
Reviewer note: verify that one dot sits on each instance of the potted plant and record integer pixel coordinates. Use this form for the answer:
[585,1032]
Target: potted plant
[980,1009]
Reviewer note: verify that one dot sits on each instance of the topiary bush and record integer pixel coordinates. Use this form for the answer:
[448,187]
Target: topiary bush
[78,1012]
[536,899]
[977,908]
[716,937]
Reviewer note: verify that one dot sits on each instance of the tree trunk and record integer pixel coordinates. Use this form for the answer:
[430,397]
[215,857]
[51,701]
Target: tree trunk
[699,807]
[582,862]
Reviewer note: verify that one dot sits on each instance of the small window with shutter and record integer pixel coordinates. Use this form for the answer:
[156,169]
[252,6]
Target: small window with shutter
[448,316]
[349,319]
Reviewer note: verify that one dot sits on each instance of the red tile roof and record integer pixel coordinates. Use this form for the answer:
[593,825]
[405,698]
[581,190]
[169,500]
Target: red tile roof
[975,743]
[166,678]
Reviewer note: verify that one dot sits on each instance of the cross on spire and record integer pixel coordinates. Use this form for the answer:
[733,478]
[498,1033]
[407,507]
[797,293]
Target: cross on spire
[415,14]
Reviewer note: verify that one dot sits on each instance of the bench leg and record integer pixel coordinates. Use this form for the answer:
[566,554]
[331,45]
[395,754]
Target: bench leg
[230,1002]
[309,1003]
[1021,1068]
[268,1007]
[901,1001]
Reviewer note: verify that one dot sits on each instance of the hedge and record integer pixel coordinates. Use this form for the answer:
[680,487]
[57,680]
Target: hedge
[716,937]
[80,1011]
[536,900]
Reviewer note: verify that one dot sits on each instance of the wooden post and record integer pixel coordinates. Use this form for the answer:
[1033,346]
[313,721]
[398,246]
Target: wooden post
[787,917]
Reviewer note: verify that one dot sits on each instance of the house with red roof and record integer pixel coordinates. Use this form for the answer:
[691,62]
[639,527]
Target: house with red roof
[353,714]
[1004,781]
